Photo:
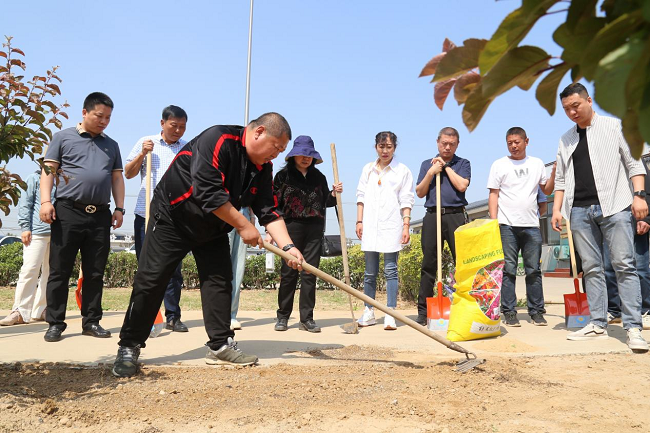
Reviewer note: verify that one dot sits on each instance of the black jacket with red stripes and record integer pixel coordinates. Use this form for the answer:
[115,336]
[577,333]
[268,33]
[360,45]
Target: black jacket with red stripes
[209,171]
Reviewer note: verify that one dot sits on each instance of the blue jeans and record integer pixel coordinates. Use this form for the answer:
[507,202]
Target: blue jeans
[238,258]
[529,241]
[642,268]
[390,272]
[173,292]
[592,231]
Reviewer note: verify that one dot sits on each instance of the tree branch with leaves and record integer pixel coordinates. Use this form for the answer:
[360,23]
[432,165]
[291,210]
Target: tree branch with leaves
[27,110]
[612,50]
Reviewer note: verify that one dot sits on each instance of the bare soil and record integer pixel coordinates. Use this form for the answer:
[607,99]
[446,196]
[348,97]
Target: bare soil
[356,388]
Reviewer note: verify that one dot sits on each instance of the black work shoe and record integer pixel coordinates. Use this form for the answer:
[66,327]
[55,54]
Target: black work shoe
[309,326]
[176,325]
[126,361]
[421,320]
[96,330]
[281,325]
[538,319]
[510,319]
[54,332]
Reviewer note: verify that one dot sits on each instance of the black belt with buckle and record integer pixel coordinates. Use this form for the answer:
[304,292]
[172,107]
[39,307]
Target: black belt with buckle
[88,208]
[447,210]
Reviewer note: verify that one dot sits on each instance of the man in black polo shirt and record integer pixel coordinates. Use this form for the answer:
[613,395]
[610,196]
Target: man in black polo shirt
[454,180]
[195,205]
[89,167]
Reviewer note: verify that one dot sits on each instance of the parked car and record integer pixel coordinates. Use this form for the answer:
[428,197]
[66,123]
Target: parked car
[131,249]
[8,240]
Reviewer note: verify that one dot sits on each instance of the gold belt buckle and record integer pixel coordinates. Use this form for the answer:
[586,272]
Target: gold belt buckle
[91,208]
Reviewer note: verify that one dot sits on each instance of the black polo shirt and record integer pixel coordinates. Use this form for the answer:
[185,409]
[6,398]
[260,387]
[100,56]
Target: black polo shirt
[209,171]
[449,196]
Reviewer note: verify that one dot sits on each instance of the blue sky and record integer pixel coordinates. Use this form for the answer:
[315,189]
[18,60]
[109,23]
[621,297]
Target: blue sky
[339,71]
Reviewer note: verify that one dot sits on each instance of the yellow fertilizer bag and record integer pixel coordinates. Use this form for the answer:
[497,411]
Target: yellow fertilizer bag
[475,309]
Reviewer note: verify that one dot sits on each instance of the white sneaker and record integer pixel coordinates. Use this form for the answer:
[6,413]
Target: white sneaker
[613,319]
[14,318]
[234,324]
[589,332]
[389,322]
[368,317]
[645,320]
[635,341]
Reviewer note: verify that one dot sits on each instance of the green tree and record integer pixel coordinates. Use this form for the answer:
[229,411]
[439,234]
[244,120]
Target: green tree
[26,111]
[610,49]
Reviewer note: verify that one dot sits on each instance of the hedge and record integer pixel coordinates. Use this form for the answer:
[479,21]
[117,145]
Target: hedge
[121,268]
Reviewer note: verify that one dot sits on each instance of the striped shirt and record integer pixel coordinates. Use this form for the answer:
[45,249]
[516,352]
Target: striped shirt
[612,164]
[162,155]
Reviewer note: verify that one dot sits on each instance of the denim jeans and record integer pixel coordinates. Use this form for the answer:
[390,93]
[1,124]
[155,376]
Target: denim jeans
[592,231]
[642,268]
[390,272]
[173,292]
[238,258]
[529,241]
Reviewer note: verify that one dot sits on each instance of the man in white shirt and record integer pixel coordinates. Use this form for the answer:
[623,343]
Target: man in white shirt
[514,183]
[163,147]
[594,172]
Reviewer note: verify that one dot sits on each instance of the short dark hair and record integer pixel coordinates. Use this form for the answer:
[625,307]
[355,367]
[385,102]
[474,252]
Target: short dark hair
[291,161]
[517,130]
[95,99]
[572,89]
[173,111]
[448,130]
[386,135]
[275,124]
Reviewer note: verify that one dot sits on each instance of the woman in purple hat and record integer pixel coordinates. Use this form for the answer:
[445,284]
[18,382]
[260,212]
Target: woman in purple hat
[384,201]
[303,195]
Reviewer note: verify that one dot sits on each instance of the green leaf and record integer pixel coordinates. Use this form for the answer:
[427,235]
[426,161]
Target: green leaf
[514,68]
[546,92]
[632,134]
[644,115]
[459,60]
[606,40]
[511,31]
[580,9]
[575,40]
[612,74]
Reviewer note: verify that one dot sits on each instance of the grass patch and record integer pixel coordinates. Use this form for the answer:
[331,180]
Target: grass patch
[249,300]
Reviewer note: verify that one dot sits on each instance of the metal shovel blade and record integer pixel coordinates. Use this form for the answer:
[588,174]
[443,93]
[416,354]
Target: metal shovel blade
[469,363]
[350,328]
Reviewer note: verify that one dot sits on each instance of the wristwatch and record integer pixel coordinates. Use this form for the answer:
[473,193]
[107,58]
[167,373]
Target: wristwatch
[287,247]
[446,165]
[641,193]
[121,209]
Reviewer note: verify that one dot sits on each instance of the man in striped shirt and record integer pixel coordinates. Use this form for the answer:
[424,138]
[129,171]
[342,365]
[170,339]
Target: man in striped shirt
[592,182]
[163,147]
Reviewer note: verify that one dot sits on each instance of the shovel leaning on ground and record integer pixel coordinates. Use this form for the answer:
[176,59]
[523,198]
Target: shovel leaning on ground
[348,328]
[440,305]
[576,307]
[470,361]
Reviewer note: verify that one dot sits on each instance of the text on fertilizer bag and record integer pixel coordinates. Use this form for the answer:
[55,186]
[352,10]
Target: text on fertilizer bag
[495,253]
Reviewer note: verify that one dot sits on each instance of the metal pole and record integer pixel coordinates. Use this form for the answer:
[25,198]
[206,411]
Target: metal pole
[248,71]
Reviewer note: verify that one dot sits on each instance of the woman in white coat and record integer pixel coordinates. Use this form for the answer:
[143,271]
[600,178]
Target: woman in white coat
[384,201]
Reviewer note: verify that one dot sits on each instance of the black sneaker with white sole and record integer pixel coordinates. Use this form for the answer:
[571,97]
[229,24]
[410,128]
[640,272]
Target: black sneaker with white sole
[126,362]
[510,319]
[229,354]
[538,319]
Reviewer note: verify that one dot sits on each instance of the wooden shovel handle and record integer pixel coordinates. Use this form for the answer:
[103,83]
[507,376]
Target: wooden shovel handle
[438,228]
[147,191]
[339,204]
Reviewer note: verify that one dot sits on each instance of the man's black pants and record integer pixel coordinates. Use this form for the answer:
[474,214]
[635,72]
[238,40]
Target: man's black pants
[173,292]
[164,248]
[429,274]
[307,237]
[74,230]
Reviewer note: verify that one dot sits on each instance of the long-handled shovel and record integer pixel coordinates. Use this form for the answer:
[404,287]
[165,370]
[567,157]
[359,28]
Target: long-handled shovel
[348,328]
[576,307]
[158,325]
[467,364]
[440,305]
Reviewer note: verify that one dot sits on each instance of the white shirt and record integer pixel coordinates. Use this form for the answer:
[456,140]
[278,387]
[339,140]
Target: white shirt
[383,195]
[518,183]
[161,157]
[611,162]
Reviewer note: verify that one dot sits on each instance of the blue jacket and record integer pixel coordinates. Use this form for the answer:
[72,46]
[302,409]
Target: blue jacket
[29,207]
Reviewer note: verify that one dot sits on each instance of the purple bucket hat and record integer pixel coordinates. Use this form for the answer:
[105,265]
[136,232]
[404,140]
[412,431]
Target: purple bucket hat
[303,145]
